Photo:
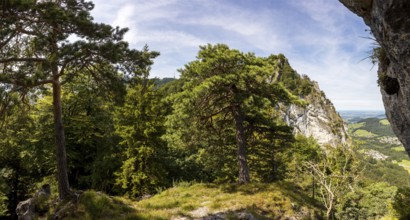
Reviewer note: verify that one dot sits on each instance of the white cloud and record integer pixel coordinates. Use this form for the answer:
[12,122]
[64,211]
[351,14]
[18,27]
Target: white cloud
[321,38]
[173,40]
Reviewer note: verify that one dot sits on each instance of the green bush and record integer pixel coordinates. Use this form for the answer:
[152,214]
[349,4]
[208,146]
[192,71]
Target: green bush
[371,202]
[401,203]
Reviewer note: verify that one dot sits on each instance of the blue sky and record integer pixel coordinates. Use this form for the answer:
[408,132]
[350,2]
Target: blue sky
[321,38]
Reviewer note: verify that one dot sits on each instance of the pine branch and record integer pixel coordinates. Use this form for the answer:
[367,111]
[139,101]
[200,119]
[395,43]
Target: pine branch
[27,59]
[26,85]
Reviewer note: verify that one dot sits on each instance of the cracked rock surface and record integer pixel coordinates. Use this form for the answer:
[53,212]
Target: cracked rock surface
[389,21]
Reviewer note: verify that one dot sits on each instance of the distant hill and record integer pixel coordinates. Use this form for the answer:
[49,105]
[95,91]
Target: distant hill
[355,116]
[375,126]
[162,81]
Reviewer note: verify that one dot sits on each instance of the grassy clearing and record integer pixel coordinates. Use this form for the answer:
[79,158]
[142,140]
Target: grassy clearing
[355,126]
[404,163]
[260,199]
[263,201]
[363,133]
[398,149]
[384,122]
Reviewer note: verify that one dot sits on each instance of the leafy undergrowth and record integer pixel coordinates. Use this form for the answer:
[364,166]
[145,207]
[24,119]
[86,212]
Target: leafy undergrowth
[193,201]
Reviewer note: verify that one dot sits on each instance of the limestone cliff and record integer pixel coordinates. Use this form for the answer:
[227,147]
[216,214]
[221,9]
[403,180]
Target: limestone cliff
[389,21]
[318,119]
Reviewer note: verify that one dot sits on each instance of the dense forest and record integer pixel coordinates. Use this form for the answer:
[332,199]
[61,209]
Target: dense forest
[81,113]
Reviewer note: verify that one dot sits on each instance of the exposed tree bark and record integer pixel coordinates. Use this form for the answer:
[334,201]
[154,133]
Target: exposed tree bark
[64,190]
[14,191]
[243,177]
[61,156]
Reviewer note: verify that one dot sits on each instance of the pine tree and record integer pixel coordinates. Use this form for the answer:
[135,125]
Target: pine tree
[47,43]
[229,93]
[140,124]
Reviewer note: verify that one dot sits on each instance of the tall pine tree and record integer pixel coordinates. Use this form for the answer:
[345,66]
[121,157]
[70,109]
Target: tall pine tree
[228,93]
[47,43]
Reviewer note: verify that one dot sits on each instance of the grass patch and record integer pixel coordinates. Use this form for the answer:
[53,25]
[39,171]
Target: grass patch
[403,163]
[264,201]
[355,126]
[95,205]
[363,133]
[269,200]
[384,122]
[398,149]
[373,125]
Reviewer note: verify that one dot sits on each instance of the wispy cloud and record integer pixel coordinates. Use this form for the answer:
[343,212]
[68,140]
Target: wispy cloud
[320,37]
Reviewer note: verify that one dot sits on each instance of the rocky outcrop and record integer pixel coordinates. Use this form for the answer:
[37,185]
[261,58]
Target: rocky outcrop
[318,119]
[389,21]
[28,209]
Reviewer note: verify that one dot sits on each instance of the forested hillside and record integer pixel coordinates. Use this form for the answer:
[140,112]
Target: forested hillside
[185,130]
[383,154]
[82,115]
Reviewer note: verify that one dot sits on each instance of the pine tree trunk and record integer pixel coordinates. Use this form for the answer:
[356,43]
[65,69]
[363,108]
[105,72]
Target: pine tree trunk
[61,156]
[243,177]
[14,200]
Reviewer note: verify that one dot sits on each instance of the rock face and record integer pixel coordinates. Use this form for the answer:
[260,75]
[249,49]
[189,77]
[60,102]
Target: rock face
[27,210]
[389,21]
[318,119]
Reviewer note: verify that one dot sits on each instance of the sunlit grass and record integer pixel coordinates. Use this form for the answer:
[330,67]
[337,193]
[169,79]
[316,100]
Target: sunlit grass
[363,133]
[269,199]
[263,201]
[384,122]
[356,125]
[404,163]
[389,218]
[398,148]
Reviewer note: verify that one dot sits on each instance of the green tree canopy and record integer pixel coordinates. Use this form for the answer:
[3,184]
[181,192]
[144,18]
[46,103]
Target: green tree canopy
[227,97]
[50,42]
[140,124]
